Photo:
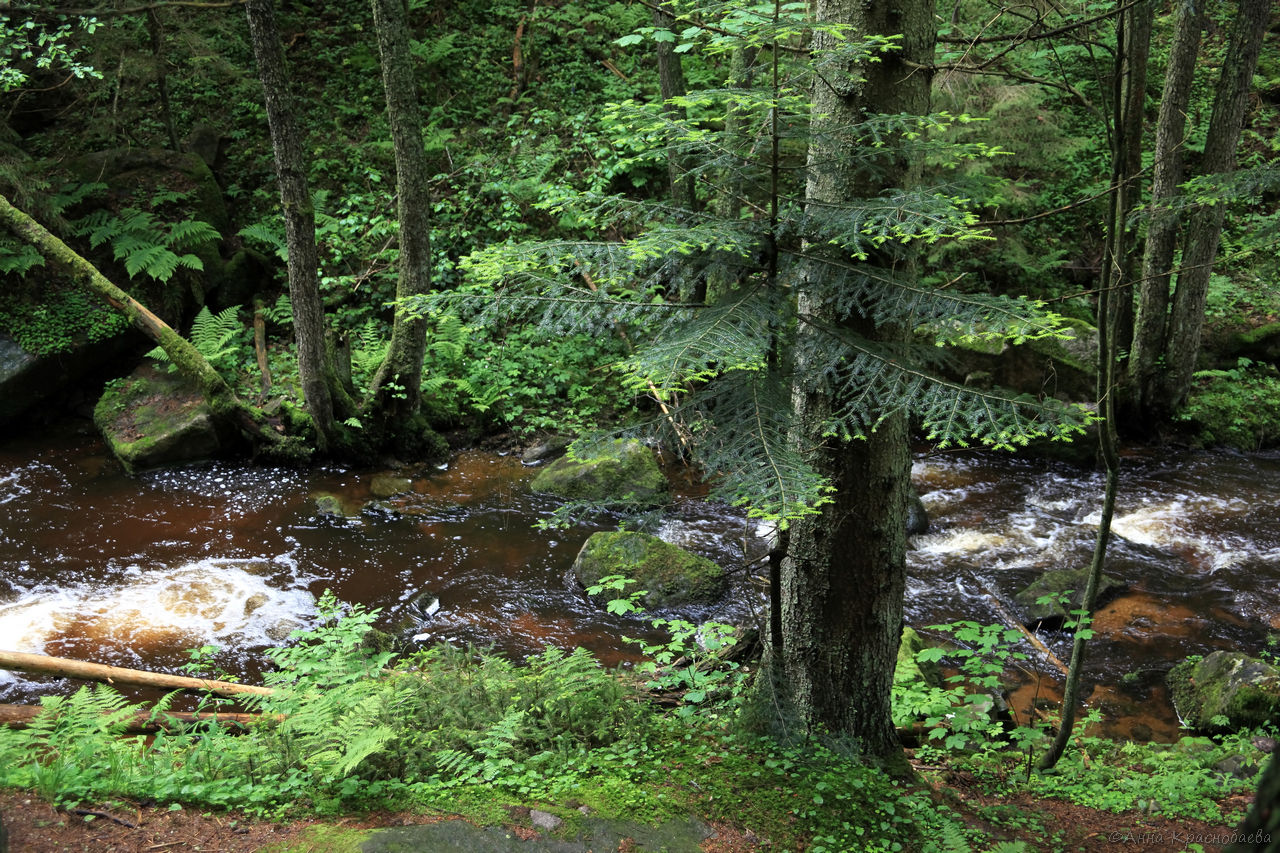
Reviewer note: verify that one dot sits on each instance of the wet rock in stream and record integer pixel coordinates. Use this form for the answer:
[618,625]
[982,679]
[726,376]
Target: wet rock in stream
[671,575]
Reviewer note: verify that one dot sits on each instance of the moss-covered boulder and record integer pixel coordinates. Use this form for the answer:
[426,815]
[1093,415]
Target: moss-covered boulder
[1260,344]
[1059,367]
[909,669]
[1225,691]
[672,576]
[616,472]
[1051,615]
[152,419]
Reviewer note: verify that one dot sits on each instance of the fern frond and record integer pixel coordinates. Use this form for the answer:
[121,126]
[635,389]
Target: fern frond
[156,261]
[191,232]
[191,262]
[267,235]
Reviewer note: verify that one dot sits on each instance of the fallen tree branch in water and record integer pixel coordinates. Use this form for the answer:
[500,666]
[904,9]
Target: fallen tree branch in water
[1013,622]
[69,668]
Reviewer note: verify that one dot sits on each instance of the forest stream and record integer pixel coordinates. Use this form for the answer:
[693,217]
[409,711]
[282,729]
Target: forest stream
[133,571]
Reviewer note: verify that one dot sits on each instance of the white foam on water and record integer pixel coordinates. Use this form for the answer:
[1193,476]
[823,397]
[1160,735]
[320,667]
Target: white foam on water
[214,601]
[1180,524]
[964,541]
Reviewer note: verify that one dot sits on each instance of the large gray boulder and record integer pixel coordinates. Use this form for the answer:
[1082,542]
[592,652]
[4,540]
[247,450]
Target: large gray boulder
[151,419]
[672,575]
[615,472]
[27,380]
[1225,691]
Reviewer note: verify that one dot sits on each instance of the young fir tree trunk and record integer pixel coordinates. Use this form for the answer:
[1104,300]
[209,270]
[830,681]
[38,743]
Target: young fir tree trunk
[1132,89]
[314,369]
[1126,139]
[403,363]
[844,575]
[223,402]
[1151,307]
[1204,230]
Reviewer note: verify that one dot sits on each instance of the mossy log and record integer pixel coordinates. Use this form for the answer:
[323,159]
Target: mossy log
[223,402]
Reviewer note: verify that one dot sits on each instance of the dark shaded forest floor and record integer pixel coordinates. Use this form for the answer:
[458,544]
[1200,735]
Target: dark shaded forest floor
[34,826]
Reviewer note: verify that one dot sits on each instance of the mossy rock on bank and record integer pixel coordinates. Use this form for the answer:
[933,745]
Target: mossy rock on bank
[1259,344]
[1225,691]
[616,472]
[672,576]
[1051,615]
[28,379]
[908,669]
[153,419]
[1057,367]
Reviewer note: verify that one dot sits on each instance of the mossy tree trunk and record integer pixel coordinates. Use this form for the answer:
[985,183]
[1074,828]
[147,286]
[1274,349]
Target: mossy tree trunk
[844,575]
[226,406]
[403,364]
[314,366]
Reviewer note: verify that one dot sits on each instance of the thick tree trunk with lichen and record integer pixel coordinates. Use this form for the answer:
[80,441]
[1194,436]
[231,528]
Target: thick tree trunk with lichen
[314,368]
[403,364]
[1204,230]
[1162,391]
[844,575]
[223,402]
[1151,303]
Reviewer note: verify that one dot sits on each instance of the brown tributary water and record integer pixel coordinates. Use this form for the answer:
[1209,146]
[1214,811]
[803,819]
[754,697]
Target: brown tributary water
[133,571]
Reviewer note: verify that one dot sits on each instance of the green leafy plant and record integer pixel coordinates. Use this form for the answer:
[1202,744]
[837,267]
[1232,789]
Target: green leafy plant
[1235,406]
[220,338]
[963,716]
[147,245]
[687,662]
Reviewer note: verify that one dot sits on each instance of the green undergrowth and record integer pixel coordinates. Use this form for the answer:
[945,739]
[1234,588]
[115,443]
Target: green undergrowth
[352,727]
[1235,407]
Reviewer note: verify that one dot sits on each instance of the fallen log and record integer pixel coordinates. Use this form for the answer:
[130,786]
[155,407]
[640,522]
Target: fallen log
[21,716]
[68,668]
[1013,622]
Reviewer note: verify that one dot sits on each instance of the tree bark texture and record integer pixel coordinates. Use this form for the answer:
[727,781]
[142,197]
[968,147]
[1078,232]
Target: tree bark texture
[1204,230]
[844,576]
[403,363]
[1131,88]
[299,220]
[1151,307]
